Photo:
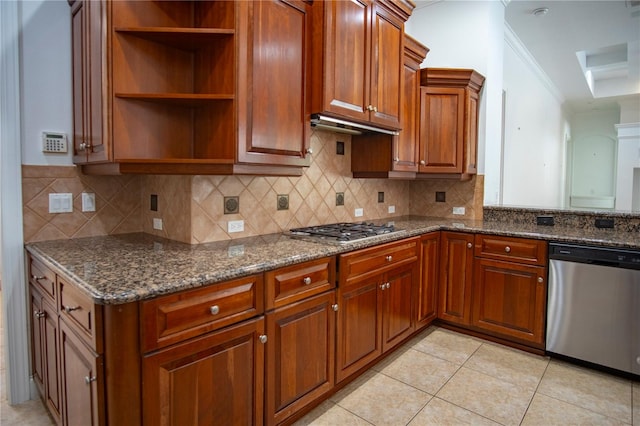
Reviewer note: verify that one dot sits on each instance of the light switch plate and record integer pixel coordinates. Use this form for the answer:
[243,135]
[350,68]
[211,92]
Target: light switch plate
[157,224]
[459,210]
[392,209]
[61,203]
[88,202]
[235,226]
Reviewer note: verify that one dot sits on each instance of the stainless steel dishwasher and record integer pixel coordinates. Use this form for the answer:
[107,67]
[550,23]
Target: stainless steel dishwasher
[593,306]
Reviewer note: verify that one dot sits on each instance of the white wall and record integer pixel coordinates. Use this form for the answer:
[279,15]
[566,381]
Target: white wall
[46,78]
[468,34]
[535,132]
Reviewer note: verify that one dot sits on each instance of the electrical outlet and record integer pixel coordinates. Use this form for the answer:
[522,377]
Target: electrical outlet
[392,209]
[458,210]
[235,226]
[359,212]
[88,202]
[61,203]
[157,224]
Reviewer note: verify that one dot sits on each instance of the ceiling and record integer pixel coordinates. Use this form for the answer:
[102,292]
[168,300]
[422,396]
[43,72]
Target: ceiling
[607,35]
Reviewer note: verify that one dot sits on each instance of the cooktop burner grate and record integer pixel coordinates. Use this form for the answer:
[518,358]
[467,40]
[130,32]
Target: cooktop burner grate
[344,232]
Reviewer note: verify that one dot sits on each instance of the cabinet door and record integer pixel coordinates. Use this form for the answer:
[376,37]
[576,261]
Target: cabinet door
[44,351]
[405,145]
[426,301]
[510,300]
[397,321]
[358,336]
[83,386]
[347,58]
[387,77]
[87,39]
[300,355]
[274,104]
[38,350]
[441,129]
[217,378]
[456,274]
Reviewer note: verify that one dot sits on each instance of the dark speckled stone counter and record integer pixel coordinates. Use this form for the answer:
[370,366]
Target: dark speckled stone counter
[124,268]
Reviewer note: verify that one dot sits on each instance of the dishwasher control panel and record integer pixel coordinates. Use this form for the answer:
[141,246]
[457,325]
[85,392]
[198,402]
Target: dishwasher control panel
[620,258]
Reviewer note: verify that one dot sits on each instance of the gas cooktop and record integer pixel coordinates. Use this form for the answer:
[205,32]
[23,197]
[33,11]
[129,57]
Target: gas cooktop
[343,232]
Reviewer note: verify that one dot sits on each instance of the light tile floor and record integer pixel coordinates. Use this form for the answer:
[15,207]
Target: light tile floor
[445,378]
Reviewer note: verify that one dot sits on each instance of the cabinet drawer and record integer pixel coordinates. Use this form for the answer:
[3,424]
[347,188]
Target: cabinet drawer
[176,317]
[297,282]
[518,250]
[377,259]
[81,314]
[42,277]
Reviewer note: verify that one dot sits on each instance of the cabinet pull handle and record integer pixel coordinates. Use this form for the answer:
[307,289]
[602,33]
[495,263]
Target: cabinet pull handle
[507,249]
[309,151]
[375,109]
[369,107]
[214,310]
[469,245]
[382,286]
[389,258]
[396,159]
[423,163]
[88,379]
[263,338]
[39,314]
[540,279]
[37,278]
[69,309]
[306,280]
[335,307]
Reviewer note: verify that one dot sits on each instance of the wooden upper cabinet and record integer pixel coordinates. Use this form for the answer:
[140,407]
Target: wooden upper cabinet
[449,121]
[273,102]
[189,86]
[386,156]
[357,70]
[90,132]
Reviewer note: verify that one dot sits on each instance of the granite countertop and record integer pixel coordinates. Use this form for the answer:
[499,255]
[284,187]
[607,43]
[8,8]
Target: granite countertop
[124,268]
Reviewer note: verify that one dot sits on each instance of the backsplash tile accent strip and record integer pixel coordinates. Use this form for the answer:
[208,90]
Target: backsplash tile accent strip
[192,207]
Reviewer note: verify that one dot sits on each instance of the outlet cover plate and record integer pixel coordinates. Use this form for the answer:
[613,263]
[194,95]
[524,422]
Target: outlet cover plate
[235,226]
[359,212]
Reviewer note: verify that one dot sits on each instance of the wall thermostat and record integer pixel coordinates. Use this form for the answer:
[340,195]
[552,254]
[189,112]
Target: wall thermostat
[54,142]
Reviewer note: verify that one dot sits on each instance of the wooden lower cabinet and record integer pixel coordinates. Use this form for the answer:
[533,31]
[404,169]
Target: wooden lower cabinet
[509,299]
[300,355]
[358,335]
[426,299]
[217,378]
[83,386]
[45,354]
[456,277]
[397,319]
[374,316]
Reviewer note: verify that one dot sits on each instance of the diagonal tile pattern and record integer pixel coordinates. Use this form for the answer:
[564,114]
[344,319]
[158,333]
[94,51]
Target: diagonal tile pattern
[191,207]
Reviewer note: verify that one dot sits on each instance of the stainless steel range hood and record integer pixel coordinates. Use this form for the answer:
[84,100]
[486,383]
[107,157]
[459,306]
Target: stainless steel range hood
[339,125]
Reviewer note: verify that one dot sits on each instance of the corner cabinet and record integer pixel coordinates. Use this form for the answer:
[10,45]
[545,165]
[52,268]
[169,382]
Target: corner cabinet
[184,87]
[449,122]
[365,86]
[386,156]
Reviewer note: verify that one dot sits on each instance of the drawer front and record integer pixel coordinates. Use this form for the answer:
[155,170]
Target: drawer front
[79,311]
[42,277]
[176,317]
[520,250]
[377,259]
[297,282]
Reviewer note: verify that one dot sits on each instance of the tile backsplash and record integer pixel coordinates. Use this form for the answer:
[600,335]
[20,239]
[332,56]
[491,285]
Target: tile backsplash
[192,207]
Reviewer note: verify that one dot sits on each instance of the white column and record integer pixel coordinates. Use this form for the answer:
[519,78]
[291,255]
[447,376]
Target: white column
[14,294]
